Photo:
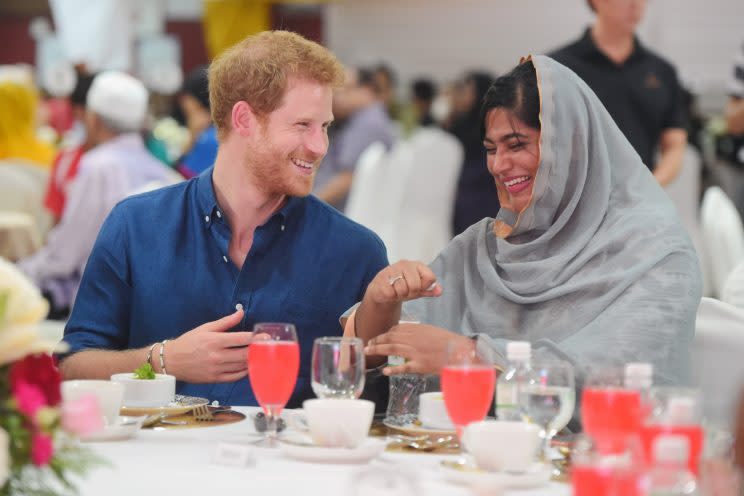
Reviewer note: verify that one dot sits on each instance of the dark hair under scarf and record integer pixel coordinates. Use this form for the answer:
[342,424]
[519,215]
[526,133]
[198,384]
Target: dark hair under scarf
[516,92]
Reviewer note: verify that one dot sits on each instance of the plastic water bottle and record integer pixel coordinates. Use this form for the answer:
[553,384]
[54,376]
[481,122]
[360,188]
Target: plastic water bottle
[669,475]
[517,375]
[640,377]
[403,401]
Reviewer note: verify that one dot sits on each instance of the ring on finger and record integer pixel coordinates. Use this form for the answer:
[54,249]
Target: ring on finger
[394,279]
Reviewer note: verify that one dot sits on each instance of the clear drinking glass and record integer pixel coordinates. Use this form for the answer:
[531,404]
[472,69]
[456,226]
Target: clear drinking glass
[338,367]
[273,365]
[549,399]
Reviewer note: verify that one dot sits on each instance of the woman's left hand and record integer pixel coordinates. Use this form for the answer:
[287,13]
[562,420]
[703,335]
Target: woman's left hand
[423,346]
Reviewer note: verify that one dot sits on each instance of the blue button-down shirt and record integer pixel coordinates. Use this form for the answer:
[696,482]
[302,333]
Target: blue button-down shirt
[160,267]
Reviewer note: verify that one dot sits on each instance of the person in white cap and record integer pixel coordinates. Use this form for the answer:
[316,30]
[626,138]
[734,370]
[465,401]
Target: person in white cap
[116,166]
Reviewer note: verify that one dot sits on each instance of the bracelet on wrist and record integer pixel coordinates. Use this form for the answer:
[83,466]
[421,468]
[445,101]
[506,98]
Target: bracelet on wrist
[162,356]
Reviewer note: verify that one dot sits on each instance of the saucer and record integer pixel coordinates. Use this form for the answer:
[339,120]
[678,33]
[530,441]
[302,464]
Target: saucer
[181,404]
[124,428]
[365,452]
[537,475]
[413,429]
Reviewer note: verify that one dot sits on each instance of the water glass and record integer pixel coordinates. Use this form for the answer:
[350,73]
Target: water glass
[338,367]
[549,399]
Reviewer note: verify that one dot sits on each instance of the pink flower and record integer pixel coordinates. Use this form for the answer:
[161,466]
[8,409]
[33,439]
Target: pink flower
[82,416]
[41,372]
[29,398]
[42,449]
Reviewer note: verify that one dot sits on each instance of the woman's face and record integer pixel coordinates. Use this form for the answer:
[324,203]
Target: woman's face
[513,157]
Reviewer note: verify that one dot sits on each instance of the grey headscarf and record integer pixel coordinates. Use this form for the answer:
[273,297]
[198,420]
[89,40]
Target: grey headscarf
[596,270]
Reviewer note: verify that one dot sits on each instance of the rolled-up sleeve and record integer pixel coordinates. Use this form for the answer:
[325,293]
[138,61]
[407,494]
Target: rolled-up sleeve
[100,317]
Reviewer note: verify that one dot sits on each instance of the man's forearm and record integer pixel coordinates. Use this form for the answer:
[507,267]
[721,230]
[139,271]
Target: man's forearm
[673,144]
[735,116]
[102,364]
[337,188]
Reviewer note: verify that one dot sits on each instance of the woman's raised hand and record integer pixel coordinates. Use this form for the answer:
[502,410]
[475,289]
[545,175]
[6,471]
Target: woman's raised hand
[402,281]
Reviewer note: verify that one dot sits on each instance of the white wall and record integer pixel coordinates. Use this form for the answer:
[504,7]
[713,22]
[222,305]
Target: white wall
[443,38]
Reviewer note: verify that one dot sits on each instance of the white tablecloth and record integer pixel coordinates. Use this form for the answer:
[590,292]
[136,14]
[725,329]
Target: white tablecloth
[180,462]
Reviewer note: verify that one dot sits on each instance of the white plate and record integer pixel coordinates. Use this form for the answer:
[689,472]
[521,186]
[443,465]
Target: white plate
[365,452]
[418,430]
[124,428]
[180,405]
[535,476]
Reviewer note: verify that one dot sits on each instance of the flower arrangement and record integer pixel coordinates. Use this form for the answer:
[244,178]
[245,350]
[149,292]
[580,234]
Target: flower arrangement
[37,449]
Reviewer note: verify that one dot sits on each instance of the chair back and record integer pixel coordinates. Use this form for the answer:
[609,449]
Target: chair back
[424,220]
[723,235]
[717,354]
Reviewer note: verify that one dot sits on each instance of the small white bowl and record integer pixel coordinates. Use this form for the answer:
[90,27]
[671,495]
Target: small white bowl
[147,392]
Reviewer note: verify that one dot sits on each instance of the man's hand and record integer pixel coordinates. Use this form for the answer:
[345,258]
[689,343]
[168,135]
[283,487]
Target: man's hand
[423,346]
[208,353]
[402,281]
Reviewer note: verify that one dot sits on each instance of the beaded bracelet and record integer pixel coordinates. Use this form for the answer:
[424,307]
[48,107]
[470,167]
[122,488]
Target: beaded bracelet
[162,356]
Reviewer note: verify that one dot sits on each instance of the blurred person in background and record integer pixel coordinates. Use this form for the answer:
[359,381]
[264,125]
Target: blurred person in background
[735,106]
[19,143]
[117,165]
[74,144]
[193,103]
[476,196]
[638,87]
[385,83]
[365,122]
[423,92]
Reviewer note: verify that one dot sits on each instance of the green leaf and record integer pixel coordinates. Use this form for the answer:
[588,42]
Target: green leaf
[144,371]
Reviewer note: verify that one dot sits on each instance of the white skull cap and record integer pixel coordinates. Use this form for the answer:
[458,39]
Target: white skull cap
[119,98]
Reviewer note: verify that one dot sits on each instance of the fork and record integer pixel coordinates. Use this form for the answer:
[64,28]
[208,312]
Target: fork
[202,413]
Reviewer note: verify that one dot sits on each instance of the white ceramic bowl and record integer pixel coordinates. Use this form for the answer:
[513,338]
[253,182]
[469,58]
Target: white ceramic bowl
[147,392]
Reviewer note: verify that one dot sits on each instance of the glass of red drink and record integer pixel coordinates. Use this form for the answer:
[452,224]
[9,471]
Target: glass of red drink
[618,474]
[468,383]
[609,411]
[675,411]
[273,365]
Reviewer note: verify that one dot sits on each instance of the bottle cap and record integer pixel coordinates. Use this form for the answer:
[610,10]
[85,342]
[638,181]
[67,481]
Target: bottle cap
[681,410]
[639,375]
[518,350]
[671,448]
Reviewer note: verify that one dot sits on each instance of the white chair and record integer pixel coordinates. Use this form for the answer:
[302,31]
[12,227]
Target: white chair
[723,235]
[22,189]
[684,192]
[717,359]
[424,220]
[733,288]
[378,190]
[367,180]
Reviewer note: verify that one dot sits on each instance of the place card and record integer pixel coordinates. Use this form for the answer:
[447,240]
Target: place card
[234,455]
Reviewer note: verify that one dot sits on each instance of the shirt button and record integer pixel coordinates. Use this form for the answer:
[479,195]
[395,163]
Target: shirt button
[206,218]
[224,258]
[238,306]
[219,214]
[282,227]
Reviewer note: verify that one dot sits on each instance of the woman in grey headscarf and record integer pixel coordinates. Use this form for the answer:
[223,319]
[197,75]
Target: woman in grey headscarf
[586,259]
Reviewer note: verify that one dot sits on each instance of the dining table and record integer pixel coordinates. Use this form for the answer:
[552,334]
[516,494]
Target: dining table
[197,461]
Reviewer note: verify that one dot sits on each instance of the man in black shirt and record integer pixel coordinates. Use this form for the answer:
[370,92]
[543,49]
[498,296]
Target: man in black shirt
[639,89]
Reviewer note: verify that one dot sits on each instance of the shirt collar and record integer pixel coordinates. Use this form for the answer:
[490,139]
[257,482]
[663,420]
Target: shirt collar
[588,48]
[209,209]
